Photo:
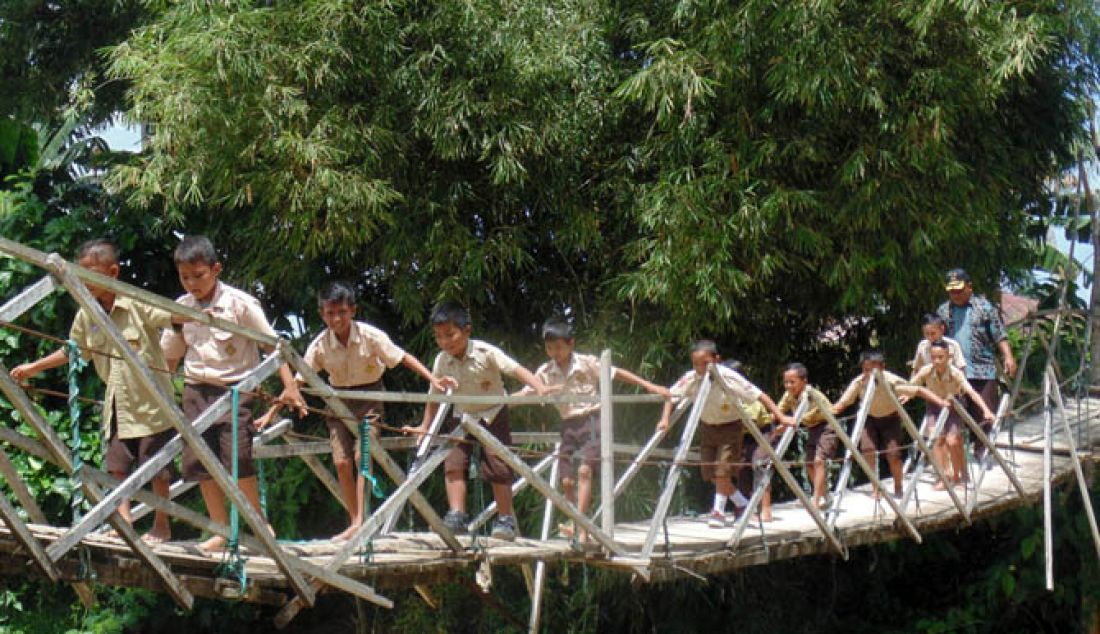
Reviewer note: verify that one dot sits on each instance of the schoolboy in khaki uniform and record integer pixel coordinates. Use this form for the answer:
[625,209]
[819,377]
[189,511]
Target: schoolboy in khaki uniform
[355,355]
[134,427]
[214,360]
[933,328]
[471,367]
[945,381]
[571,372]
[822,441]
[721,422]
[883,427]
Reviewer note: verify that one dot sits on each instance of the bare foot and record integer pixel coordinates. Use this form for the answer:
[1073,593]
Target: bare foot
[565,529]
[156,536]
[766,515]
[346,534]
[215,544]
[939,486]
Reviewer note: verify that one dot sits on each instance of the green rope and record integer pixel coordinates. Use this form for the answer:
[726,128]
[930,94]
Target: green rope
[76,365]
[475,458]
[367,552]
[233,564]
[261,480]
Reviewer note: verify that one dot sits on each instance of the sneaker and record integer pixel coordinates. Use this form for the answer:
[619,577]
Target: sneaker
[717,519]
[456,521]
[505,528]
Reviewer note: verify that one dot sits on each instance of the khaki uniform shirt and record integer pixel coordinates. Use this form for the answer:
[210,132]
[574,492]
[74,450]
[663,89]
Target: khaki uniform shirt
[211,355]
[363,360]
[813,416]
[136,409]
[881,404]
[950,383]
[581,378]
[719,407]
[923,355]
[478,374]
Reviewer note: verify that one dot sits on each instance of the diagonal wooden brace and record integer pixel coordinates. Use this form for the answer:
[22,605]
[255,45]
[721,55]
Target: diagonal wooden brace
[915,434]
[872,475]
[487,440]
[147,471]
[205,455]
[660,512]
[373,524]
[517,486]
[377,451]
[976,429]
[60,455]
[782,469]
[15,307]
[846,471]
[23,535]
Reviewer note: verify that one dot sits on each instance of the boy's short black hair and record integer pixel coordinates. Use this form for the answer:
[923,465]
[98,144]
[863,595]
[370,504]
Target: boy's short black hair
[102,250]
[932,319]
[338,292]
[941,344]
[195,250]
[799,370]
[704,345]
[450,313]
[874,356]
[555,329]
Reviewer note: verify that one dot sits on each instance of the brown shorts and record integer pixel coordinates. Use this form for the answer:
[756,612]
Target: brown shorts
[219,436]
[344,445]
[882,434]
[822,442]
[932,412]
[579,434]
[124,453]
[492,468]
[721,449]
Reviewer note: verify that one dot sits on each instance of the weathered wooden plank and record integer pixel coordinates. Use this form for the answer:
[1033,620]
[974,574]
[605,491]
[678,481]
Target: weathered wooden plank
[65,273]
[37,554]
[19,488]
[607,456]
[468,399]
[292,450]
[146,472]
[15,307]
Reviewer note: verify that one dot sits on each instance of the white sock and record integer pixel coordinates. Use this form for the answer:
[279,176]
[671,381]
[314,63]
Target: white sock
[720,502]
[739,499]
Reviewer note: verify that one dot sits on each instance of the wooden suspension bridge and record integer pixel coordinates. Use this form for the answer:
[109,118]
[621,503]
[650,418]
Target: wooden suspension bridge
[1030,448]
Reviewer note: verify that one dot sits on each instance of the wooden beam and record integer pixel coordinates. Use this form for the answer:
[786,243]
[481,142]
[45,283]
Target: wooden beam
[468,399]
[380,455]
[490,443]
[1003,410]
[49,262]
[976,429]
[517,486]
[841,486]
[539,584]
[423,445]
[607,457]
[15,307]
[147,471]
[19,488]
[922,461]
[23,534]
[374,523]
[202,522]
[292,450]
[914,433]
[193,438]
[660,512]
[872,475]
[781,468]
[1082,482]
[18,398]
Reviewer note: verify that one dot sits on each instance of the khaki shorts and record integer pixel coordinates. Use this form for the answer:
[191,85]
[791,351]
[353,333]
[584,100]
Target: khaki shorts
[124,453]
[343,441]
[822,442]
[492,468]
[219,436]
[721,449]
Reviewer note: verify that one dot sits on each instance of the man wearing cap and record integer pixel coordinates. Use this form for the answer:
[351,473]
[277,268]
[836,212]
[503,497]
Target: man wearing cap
[976,324]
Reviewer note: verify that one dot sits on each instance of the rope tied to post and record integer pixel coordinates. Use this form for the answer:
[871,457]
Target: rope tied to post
[375,487]
[233,563]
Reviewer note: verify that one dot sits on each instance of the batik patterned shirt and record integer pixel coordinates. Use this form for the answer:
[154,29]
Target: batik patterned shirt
[978,328]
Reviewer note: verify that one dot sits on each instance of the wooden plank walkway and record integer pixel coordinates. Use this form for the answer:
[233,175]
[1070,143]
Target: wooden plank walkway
[687,548]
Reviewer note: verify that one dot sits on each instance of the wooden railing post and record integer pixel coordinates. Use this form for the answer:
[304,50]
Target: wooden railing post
[607,440]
